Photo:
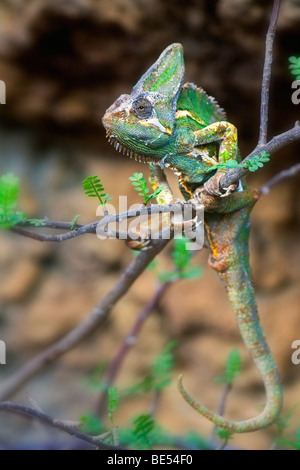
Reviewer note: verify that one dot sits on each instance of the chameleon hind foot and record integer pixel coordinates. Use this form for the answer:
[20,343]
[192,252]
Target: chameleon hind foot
[212,186]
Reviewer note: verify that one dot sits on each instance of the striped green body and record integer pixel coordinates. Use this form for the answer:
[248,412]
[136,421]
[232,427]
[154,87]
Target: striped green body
[168,124]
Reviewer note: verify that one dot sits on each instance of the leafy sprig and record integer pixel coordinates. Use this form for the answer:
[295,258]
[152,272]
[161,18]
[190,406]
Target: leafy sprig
[182,262]
[9,194]
[294,444]
[223,434]
[74,221]
[140,184]
[232,368]
[160,374]
[163,366]
[93,188]
[253,164]
[113,399]
[295,66]
[142,431]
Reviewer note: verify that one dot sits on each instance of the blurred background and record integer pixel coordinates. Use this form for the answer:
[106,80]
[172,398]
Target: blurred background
[64,63]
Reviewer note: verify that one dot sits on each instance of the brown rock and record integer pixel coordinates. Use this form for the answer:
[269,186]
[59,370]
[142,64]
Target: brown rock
[18,280]
[58,307]
[199,304]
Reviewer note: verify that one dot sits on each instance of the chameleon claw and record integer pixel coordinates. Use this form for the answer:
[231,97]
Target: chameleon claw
[138,245]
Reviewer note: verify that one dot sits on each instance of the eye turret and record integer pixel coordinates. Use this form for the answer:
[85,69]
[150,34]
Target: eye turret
[142,108]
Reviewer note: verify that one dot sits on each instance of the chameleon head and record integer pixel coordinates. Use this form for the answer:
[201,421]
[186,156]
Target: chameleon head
[142,123]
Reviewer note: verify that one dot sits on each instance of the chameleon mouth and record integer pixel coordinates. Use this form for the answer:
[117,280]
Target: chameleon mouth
[125,151]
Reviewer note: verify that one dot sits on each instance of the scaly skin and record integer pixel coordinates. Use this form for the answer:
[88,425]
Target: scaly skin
[166,123]
[227,226]
[170,124]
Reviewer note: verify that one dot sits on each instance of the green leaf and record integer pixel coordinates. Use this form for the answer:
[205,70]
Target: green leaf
[91,424]
[165,276]
[163,366]
[143,427]
[223,434]
[294,444]
[252,165]
[232,368]
[294,60]
[153,265]
[140,184]
[93,187]
[195,272]
[232,163]
[182,262]
[257,161]
[145,433]
[181,256]
[282,421]
[113,398]
[74,221]
[295,66]
[37,222]
[9,193]
[145,386]
[157,191]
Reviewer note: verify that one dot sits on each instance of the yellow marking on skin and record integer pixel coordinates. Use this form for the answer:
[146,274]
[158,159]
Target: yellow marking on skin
[183,113]
[154,122]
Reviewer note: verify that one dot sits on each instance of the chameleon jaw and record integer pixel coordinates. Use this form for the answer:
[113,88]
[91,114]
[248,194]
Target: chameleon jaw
[125,151]
[136,156]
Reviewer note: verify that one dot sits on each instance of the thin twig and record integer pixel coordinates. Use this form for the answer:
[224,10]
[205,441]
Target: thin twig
[89,325]
[221,409]
[128,342]
[223,445]
[90,228]
[265,189]
[56,423]
[223,399]
[265,88]
[279,141]
[99,226]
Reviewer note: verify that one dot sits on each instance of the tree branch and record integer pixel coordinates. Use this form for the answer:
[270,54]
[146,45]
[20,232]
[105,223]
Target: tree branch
[56,423]
[232,176]
[89,325]
[265,189]
[98,226]
[265,88]
[90,228]
[128,342]
[279,141]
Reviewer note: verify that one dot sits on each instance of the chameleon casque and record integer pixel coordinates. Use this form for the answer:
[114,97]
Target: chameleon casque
[170,124]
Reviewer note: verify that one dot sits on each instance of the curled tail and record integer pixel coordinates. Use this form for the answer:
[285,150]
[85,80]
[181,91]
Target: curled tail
[231,260]
[254,340]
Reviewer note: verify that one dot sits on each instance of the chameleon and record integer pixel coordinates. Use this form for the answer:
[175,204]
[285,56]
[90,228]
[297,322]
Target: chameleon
[169,124]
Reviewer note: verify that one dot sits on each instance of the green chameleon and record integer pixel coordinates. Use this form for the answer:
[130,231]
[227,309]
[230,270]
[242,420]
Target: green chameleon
[170,124]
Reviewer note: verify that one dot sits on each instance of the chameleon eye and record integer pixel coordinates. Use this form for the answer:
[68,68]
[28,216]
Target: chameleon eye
[142,108]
